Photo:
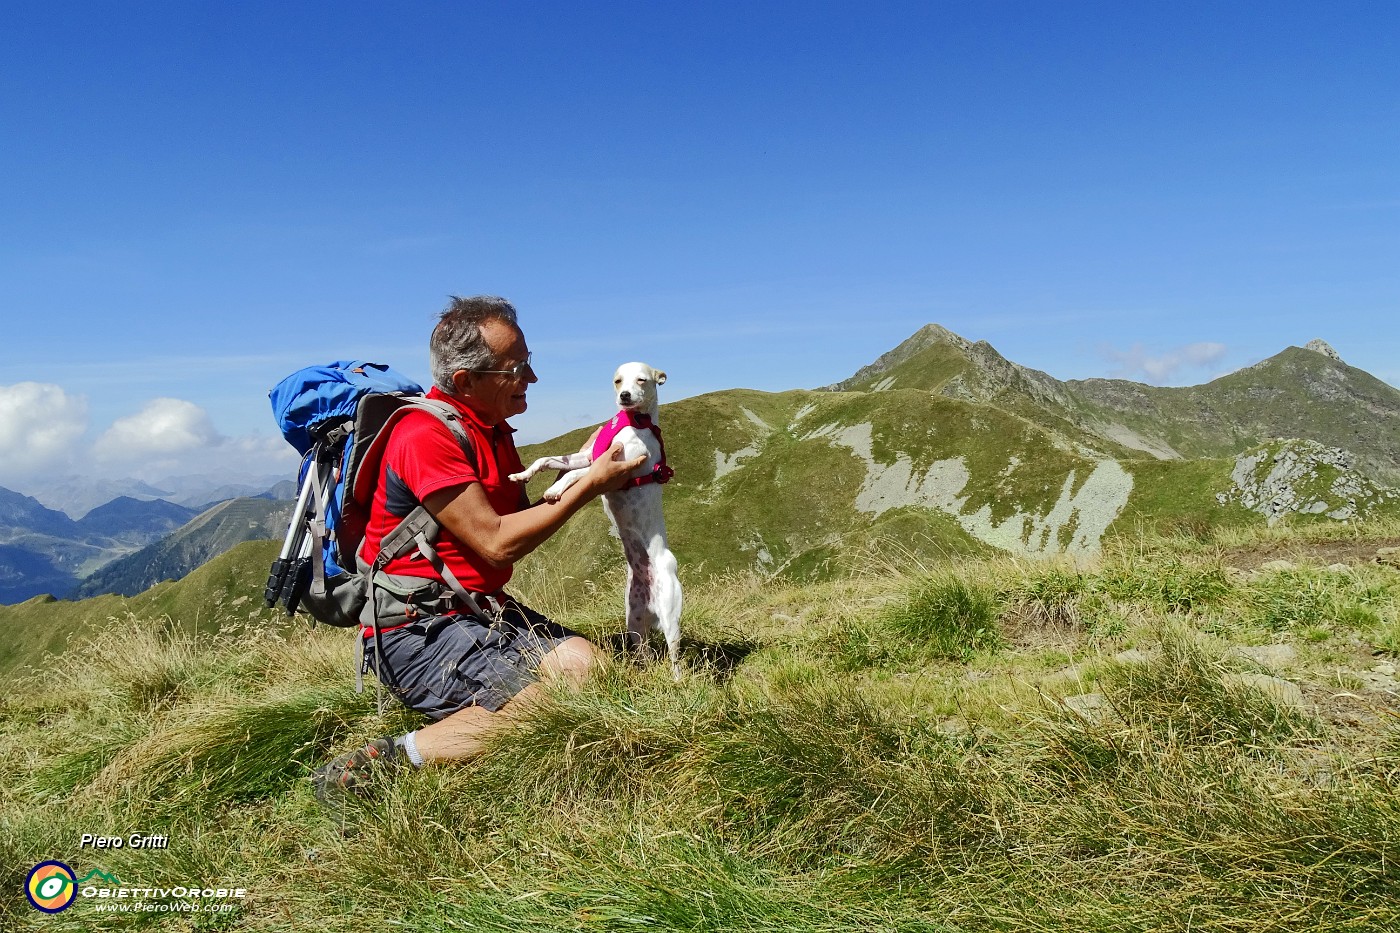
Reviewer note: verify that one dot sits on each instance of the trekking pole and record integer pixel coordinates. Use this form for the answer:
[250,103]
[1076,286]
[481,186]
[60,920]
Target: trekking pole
[277,576]
[298,576]
[299,571]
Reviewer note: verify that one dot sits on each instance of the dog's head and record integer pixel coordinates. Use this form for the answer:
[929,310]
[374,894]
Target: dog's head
[634,386]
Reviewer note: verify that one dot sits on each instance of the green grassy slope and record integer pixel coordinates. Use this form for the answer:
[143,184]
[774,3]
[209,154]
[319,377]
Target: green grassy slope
[758,486]
[230,585]
[981,745]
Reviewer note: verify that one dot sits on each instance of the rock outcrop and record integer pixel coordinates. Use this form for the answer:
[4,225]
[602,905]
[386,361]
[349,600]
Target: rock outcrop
[1302,477]
[1323,347]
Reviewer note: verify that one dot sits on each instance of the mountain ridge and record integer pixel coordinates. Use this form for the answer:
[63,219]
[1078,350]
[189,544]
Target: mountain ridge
[133,521]
[945,446]
[56,555]
[21,514]
[78,495]
[205,536]
[1319,397]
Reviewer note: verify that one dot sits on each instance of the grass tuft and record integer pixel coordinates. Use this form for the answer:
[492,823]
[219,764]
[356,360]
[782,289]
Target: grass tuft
[946,617]
[1188,693]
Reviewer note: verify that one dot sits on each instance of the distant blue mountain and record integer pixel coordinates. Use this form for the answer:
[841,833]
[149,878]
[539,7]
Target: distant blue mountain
[78,495]
[26,573]
[42,550]
[287,489]
[203,538]
[135,521]
[21,514]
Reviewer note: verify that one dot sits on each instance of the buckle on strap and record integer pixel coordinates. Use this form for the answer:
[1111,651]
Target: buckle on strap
[485,606]
[660,473]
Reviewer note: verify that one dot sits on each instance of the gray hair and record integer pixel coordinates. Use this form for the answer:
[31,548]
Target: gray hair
[457,342]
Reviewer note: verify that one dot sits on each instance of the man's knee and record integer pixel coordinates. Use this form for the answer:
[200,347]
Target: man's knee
[573,658]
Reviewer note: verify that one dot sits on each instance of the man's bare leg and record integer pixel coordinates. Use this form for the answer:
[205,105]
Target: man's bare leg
[463,734]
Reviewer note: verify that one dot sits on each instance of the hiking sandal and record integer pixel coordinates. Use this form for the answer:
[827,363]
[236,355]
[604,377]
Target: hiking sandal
[352,775]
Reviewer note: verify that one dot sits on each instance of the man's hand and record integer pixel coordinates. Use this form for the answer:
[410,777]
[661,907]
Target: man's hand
[610,472]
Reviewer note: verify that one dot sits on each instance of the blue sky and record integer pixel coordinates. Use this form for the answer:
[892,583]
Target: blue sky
[196,199]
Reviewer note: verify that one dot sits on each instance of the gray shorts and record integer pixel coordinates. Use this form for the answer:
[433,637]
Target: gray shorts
[443,664]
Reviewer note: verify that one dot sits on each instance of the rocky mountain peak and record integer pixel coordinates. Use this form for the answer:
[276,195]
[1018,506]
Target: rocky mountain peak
[921,339]
[1321,346]
[965,370]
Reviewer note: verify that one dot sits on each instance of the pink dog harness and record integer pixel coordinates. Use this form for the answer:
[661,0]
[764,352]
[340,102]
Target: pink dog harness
[628,419]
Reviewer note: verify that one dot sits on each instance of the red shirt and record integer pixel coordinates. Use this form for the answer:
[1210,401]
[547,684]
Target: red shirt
[421,457]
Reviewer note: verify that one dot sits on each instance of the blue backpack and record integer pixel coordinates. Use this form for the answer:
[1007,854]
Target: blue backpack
[338,417]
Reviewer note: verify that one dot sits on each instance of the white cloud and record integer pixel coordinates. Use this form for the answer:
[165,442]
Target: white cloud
[40,425]
[173,437]
[1162,368]
[258,454]
[166,427]
[44,437]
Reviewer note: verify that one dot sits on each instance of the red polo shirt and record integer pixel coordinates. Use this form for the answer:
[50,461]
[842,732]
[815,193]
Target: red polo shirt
[420,458]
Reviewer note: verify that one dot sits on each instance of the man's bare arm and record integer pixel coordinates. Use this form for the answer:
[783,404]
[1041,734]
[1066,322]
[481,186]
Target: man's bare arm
[503,539]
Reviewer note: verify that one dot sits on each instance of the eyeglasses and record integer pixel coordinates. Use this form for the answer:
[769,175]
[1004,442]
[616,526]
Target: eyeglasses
[516,371]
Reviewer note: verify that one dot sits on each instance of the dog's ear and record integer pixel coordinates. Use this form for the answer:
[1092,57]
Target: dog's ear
[659,376]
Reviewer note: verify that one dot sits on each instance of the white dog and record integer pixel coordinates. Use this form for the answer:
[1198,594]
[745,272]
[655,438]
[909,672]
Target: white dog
[653,587]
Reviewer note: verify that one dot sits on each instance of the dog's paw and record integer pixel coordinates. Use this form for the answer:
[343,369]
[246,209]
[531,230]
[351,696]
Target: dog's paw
[519,477]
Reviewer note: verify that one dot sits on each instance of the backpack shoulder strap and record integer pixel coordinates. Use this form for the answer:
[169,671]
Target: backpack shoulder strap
[365,471]
[418,527]
[450,417]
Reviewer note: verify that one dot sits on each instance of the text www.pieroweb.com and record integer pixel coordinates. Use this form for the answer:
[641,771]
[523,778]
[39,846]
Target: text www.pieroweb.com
[151,907]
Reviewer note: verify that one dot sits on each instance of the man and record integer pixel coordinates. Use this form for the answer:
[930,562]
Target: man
[468,670]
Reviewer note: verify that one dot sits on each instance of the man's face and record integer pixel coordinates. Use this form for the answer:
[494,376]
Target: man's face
[496,395]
